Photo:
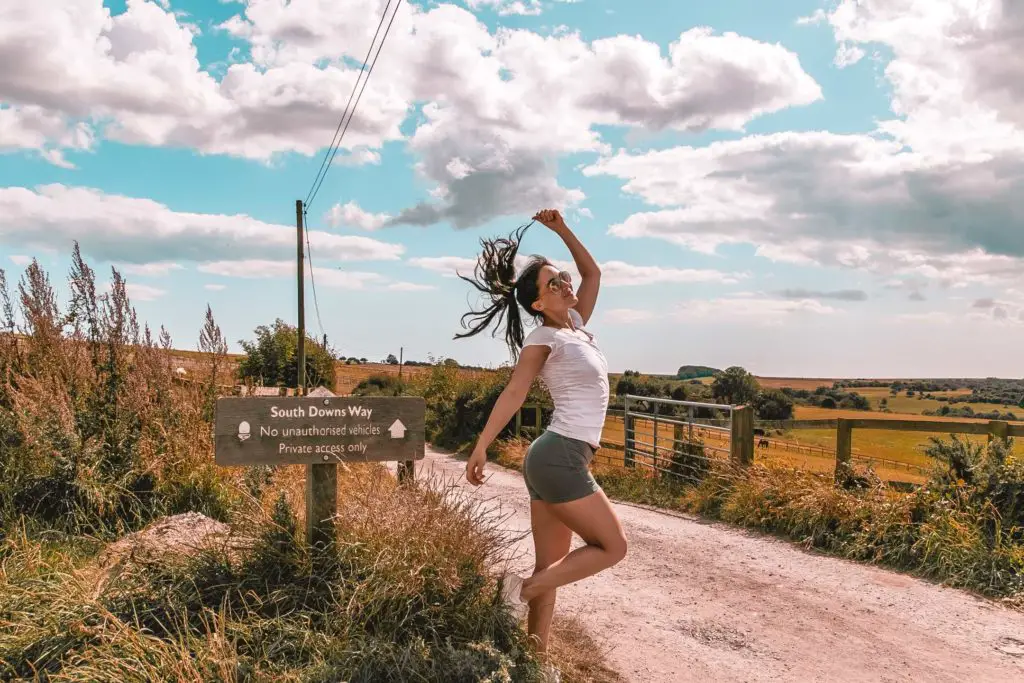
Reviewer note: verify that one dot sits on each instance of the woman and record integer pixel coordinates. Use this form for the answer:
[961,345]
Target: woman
[564,498]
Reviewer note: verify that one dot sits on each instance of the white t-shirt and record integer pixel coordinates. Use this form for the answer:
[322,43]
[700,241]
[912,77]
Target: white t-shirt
[576,375]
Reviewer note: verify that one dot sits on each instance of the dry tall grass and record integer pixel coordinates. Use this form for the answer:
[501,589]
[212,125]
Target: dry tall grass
[97,440]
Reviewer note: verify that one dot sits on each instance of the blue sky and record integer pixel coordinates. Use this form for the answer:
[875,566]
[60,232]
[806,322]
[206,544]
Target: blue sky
[799,187]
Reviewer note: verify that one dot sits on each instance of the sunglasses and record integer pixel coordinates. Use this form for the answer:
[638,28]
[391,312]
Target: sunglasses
[555,283]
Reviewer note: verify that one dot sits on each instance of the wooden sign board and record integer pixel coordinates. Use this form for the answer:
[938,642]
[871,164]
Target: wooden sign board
[318,430]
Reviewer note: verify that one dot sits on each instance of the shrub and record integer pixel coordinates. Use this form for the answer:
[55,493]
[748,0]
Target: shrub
[381,385]
[458,406]
[735,386]
[272,359]
[772,404]
[95,437]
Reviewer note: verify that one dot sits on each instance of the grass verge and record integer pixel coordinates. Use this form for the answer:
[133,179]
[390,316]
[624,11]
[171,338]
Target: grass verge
[965,529]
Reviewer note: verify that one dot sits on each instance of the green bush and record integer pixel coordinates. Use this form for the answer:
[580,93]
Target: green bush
[95,437]
[272,359]
[458,405]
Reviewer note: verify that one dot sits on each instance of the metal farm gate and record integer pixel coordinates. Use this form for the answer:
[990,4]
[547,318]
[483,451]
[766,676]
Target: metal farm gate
[684,439]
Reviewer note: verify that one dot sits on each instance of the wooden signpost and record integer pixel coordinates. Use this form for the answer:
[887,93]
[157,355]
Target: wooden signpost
[319,431]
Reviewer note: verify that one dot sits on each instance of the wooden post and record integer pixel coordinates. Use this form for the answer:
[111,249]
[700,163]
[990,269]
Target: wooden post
[742,442]
[844,449]
[406,472]
[519,422]
[536,419]
[301,259]
[998,429]
[654,448]
[628,440]
[321,480]
[321,504]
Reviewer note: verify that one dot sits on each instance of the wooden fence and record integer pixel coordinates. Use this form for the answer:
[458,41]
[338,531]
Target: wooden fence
[745,437]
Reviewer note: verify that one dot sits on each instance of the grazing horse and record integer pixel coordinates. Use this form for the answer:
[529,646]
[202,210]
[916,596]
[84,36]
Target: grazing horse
[763,443]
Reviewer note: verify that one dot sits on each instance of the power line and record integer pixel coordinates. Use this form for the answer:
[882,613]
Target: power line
[332,149]
[339,134]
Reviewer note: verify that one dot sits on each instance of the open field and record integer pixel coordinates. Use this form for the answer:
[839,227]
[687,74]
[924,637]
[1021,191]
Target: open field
[808,383]
[916,405]
[347,377]
[802,449]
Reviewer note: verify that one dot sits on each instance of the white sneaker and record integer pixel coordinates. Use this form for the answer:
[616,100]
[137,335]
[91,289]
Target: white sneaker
[511,587]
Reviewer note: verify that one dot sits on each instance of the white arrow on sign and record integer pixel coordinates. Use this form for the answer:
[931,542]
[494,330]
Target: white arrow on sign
[397,429]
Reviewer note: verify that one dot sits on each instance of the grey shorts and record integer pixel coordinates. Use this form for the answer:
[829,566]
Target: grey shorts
[555,469]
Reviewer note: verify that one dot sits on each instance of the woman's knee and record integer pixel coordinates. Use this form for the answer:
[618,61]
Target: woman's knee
[617,549]
[614,548]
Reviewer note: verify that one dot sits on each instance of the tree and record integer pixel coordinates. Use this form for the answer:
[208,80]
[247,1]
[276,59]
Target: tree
[273,359]
[772,404]
[391,359]
[735,386]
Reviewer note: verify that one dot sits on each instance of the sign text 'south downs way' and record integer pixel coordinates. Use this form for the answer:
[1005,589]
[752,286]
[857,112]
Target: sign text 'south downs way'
[306,430]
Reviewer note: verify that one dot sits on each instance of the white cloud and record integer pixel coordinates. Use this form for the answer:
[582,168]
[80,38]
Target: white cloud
[626,316]
[215,287]
[508,7]
[504,104]
[620,274]
[143,292]
[613,273]
[72,70]
[509,117]
[852,201]
[847,55]
[931,317]
[351,214]
[409,287]
[155,269]
[21,260]
[957,72]
[447,266]
[745,308]
[332,278]
[48,133]
[138,231]
[933,195]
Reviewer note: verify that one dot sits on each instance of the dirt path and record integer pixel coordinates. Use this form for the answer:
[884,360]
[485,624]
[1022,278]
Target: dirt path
[702,601]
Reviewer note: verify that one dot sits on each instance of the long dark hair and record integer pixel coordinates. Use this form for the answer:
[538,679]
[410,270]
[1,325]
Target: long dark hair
[495,278]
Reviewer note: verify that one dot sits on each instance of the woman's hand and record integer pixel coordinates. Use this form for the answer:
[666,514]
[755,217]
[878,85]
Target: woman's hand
[550,218]
[475,466]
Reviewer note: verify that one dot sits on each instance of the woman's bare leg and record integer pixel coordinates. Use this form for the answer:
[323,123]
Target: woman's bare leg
[594,520]
[551,541]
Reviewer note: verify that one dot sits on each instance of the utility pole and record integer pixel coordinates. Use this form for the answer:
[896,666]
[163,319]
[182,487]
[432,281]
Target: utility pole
[301,389]
[321,479]
[401,360]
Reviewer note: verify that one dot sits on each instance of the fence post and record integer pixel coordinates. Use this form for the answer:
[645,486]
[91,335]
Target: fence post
[998,429]
[536,419]
[742,441]
[844,449]
[519,422]
[654,449]
[627,430]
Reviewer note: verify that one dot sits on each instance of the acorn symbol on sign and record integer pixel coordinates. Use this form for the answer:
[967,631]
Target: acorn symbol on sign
[244,431]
